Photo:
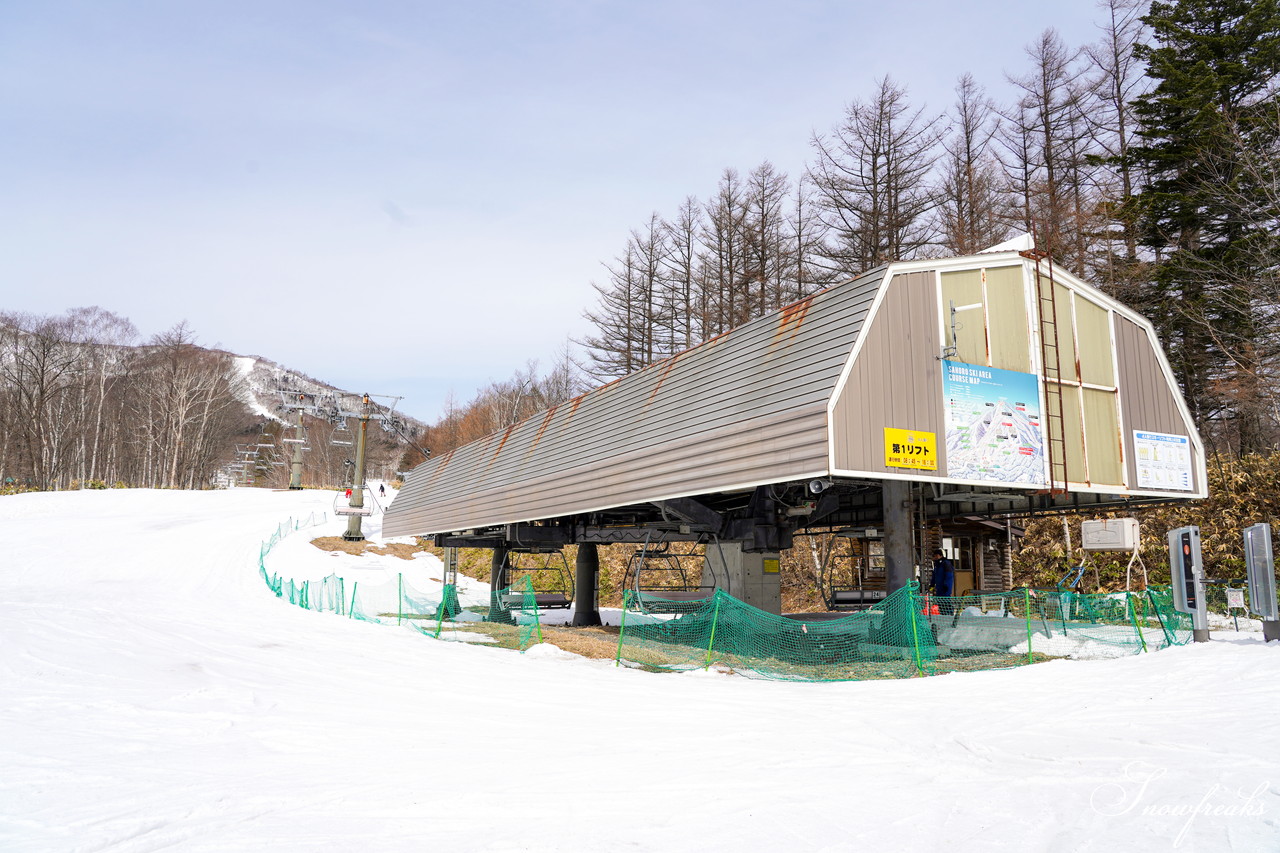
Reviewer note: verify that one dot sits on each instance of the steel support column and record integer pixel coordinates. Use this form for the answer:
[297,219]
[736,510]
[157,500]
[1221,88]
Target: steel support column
[295,465]
[896,497]
[354,533]
[586,586]
[498,612]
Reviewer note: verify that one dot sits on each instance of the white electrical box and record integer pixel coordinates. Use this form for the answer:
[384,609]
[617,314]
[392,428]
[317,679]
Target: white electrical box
[1113,534]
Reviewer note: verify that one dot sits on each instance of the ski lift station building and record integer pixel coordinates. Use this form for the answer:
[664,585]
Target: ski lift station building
[916,406]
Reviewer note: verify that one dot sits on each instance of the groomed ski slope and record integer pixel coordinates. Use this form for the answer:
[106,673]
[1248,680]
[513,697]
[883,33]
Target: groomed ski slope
[155,696]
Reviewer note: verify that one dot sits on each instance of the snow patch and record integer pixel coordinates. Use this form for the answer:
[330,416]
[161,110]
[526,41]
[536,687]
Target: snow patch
[145,662]
[549,651]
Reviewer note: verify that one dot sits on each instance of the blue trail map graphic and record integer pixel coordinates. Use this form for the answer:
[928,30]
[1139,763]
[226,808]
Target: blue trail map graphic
[994,428]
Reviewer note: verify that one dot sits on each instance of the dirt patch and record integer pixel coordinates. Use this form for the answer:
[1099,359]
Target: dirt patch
[337,543]
[598,643]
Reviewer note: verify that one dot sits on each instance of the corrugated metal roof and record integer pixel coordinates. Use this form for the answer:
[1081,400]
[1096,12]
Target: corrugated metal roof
[743,409]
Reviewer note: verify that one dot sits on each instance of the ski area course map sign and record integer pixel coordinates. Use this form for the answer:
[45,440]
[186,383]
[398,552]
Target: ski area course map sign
[994,428]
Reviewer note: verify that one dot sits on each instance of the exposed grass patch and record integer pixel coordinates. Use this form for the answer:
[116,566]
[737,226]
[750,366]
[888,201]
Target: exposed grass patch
[337,543]
[599,643]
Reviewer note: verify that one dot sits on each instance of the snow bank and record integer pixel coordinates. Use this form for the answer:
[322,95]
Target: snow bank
[157,697]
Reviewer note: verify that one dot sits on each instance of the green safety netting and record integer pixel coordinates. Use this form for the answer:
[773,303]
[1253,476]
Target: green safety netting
[889,642]
[905,635]
[1028,625]
[1216,597]
[510,621]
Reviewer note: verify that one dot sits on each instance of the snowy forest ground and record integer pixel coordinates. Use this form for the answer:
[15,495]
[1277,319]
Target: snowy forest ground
[155,696]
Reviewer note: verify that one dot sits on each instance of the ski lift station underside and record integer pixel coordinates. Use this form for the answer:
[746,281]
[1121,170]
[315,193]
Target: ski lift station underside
[916,406]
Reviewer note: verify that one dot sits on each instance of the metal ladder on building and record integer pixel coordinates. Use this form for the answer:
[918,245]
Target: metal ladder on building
[1050,359]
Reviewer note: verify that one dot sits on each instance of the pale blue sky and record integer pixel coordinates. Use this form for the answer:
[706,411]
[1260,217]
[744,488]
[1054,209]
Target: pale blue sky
[413,197]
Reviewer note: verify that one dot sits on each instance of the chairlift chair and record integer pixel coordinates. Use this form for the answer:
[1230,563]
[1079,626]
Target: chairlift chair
[555,573]
[342,503]
[658,579]
[342,436]
[848,591]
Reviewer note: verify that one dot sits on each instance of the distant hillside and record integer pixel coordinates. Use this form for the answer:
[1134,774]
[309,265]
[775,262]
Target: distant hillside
[271,391]
[265,384]
[81,404]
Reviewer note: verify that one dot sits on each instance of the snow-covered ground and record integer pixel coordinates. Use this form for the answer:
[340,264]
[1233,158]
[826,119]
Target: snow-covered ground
[155,696]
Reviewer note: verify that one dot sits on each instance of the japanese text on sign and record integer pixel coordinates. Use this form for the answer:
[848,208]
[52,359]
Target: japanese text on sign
[904,448]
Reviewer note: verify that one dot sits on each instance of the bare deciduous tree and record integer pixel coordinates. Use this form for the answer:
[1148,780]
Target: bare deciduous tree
[1115,81]
[1047,143]
[971,198]
[872,175]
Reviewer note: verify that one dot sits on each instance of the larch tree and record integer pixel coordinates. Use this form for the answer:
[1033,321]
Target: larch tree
[1115,81]
[806,235]
[971,204]
[724,256]
[872,177]
[617,346]
[687,301]
[768,264]
[1046,145]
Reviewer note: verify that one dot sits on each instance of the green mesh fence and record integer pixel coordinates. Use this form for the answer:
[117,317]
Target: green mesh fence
[1216,599]
[510,621]
[890,641]
[1028,625]
[519,604]
[905,635]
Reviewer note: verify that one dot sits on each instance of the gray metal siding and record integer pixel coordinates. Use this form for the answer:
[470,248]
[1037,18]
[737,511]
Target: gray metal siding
[743,409]
[896,380]
[1146,398]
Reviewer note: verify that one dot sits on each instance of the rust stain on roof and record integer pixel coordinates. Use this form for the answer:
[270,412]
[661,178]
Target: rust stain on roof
[505,436]
[543,428]
[712,341]
[441,464]
[605,387]
[790,321]
[573,409]
[666,371]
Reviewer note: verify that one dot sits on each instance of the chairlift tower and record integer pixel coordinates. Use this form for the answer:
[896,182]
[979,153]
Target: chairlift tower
[296,401]
[354,533]
[337,413]
[390,423]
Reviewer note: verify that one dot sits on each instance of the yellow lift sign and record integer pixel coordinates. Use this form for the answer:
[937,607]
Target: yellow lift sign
[909,448]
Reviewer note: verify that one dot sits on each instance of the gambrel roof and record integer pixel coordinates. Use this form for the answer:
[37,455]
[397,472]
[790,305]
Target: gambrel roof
[804,392]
